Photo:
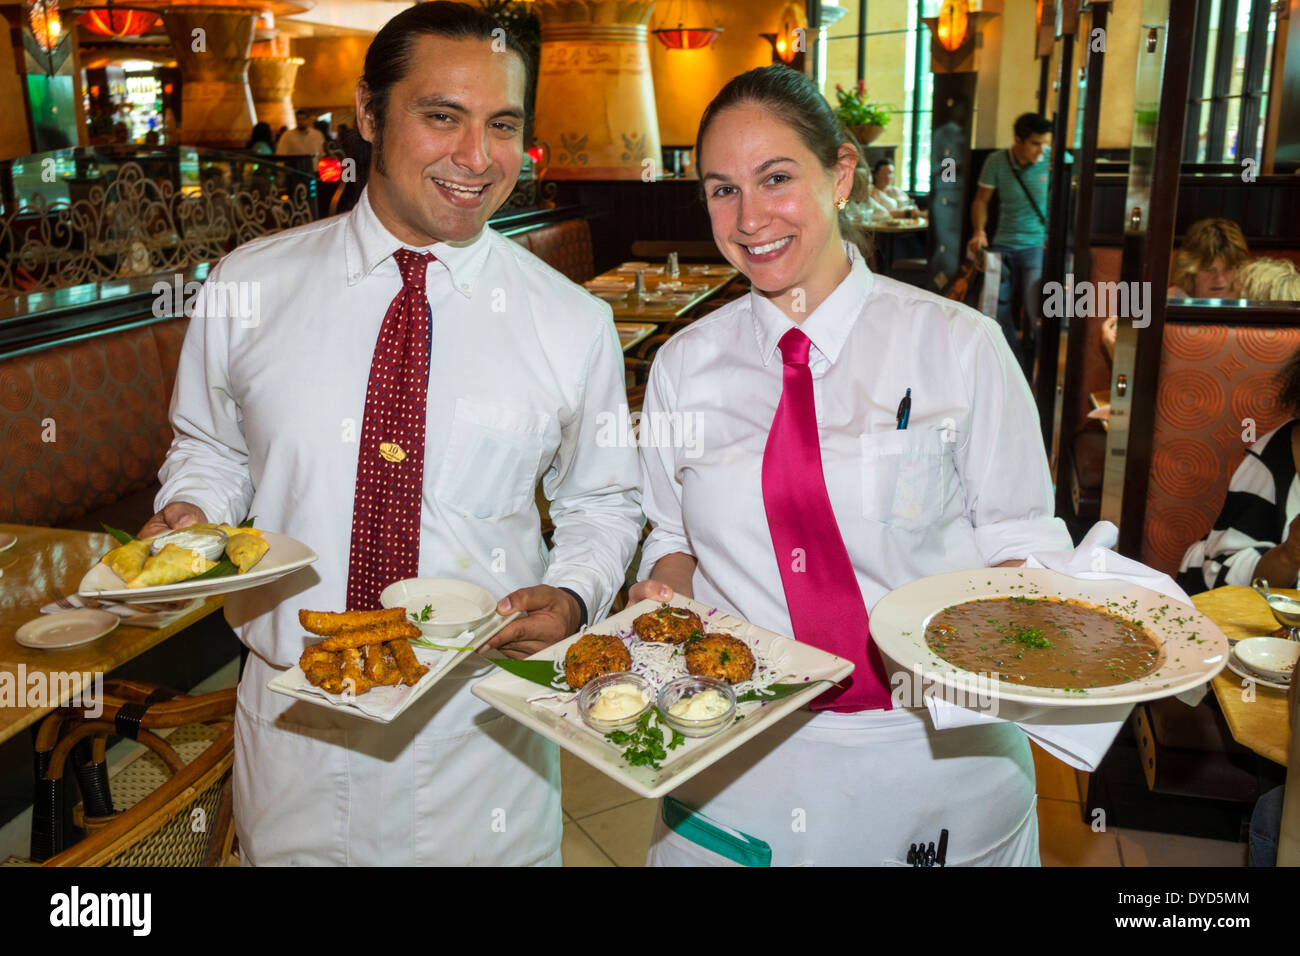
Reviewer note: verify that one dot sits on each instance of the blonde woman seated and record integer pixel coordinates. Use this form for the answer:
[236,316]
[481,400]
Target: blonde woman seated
[1207,262]
[1269,280]
[886,200]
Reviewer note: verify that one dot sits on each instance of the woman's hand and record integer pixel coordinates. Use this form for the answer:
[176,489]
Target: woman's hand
[652,589]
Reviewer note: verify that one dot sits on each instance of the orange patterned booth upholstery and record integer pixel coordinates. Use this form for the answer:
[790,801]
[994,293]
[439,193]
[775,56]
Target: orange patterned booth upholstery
[565,246]
[1215,381]
[86,426]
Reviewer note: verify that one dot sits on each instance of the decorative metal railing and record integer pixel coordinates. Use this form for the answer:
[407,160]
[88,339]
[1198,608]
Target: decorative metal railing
[91,215]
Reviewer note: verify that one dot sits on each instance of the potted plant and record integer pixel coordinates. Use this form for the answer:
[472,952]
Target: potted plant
[864,118]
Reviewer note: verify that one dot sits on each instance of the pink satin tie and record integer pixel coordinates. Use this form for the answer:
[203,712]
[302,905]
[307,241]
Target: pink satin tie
[821,589]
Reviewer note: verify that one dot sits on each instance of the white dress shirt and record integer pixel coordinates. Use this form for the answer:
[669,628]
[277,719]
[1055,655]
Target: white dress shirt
[301,142]
[268,410]
[965,485]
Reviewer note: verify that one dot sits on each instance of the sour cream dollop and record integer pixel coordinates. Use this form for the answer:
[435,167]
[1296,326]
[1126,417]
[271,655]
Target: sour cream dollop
[208,542]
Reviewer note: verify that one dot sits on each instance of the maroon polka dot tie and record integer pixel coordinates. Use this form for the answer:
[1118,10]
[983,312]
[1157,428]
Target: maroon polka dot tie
[390,467]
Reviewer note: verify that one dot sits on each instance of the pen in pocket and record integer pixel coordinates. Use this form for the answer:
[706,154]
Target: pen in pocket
[904,410]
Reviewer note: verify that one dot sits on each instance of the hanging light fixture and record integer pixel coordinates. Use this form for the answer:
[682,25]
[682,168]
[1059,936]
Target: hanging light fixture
[953,22]
[119,22]
[47,27]
[687,38]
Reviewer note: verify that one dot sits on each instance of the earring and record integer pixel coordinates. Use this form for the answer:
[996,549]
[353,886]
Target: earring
[841,203]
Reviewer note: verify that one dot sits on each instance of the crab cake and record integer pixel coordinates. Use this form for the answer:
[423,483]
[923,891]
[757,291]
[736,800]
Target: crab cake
[668,625]
[593,655]
[720,656]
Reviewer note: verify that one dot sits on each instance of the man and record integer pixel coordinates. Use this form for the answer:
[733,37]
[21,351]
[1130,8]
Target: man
[281,414]
[306,140]
[1019,176]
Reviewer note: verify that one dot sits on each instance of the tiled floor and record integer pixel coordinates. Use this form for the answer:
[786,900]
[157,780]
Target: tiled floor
[608,825]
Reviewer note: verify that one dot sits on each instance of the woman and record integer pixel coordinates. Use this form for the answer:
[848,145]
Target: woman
[1256,535]
[1269,280]
[261,141]
[1207,261]
[887,200]
[965,484]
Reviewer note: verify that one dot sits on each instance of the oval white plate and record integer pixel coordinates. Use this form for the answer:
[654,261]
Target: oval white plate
[1269,657]
[1195,649]
[7,541]
[284,556]
[66,629]
[458,606]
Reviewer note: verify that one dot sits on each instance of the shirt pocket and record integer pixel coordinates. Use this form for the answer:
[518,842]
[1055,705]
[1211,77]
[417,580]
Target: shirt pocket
[905,477]
[489,467]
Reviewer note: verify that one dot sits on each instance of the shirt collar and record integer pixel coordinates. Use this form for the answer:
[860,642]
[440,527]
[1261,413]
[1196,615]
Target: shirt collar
[828,326]
[370,246]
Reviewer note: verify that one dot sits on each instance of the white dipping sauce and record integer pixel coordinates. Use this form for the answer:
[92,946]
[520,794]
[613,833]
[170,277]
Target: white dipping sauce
[618,701]
[702,706]
[448,609]
[208,542]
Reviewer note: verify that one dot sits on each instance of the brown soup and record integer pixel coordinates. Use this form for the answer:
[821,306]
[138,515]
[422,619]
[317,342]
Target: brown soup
[1046,642]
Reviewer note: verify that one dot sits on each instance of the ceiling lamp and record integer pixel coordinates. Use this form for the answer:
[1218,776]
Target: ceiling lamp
[118,21]
[47,28]
[687,38]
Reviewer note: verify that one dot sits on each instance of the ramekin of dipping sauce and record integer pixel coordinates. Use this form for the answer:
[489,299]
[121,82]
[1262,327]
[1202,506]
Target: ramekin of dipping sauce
[209,542]
[615,701]
[697,706]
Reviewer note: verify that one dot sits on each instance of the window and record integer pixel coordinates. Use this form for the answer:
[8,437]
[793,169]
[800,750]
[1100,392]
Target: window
[885,44]
[1228,98]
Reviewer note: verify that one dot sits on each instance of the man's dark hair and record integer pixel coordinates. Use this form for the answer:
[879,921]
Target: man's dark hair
[1031,124]
[389,60]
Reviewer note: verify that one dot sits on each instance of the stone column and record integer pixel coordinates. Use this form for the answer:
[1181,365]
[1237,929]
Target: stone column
[271,80]
[216,103]
[595,110]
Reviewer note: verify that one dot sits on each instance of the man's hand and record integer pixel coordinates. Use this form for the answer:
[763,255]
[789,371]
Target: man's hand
[978,243]
[552,616]
[178,514]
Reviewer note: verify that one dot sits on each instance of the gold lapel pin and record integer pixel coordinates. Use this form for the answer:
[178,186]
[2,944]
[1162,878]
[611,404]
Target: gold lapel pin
[391,451]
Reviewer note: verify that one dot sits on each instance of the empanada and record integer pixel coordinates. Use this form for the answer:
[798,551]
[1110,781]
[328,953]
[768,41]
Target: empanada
[128,560]
[170,565]
[245,550]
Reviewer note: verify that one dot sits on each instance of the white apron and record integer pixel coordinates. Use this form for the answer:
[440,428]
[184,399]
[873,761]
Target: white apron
[451,782]
[857,790]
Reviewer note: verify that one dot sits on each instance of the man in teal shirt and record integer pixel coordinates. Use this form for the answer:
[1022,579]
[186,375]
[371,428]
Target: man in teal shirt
[1019,176]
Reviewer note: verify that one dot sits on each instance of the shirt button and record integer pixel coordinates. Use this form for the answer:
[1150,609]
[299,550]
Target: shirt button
[356,275]
[464,287]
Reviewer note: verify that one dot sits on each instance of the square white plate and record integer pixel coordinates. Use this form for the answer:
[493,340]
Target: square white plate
[511,695]
[284,556]
[383,705]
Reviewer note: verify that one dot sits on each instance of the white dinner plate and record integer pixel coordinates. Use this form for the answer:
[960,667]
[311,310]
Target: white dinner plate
[7,540]
[384,704]
[557,718]
[1194,647]
[284,556]
[66,629]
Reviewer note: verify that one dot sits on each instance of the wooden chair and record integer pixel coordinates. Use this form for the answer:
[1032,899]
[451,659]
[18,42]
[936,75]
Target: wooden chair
[171,806]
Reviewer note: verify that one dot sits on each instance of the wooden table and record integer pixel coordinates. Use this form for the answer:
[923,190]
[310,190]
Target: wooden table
[632,334]
[45,564]
[694,289]
[1262,724]
[886,231]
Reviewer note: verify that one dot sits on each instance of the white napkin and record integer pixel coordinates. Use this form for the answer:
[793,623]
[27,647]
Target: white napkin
[1080,736]
[157,615]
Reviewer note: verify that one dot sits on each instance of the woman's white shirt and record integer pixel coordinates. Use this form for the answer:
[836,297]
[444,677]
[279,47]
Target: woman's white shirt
[965,485]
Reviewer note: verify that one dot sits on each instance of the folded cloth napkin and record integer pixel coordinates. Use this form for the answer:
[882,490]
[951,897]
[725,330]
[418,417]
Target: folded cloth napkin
[151,615]
[1080,736]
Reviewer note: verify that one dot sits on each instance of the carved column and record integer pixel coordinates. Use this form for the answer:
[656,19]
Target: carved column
[212,48]
[271,80]
[595,110]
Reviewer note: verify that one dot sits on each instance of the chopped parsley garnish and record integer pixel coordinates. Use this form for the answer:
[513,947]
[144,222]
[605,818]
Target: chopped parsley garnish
[646,741]
[424,615]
